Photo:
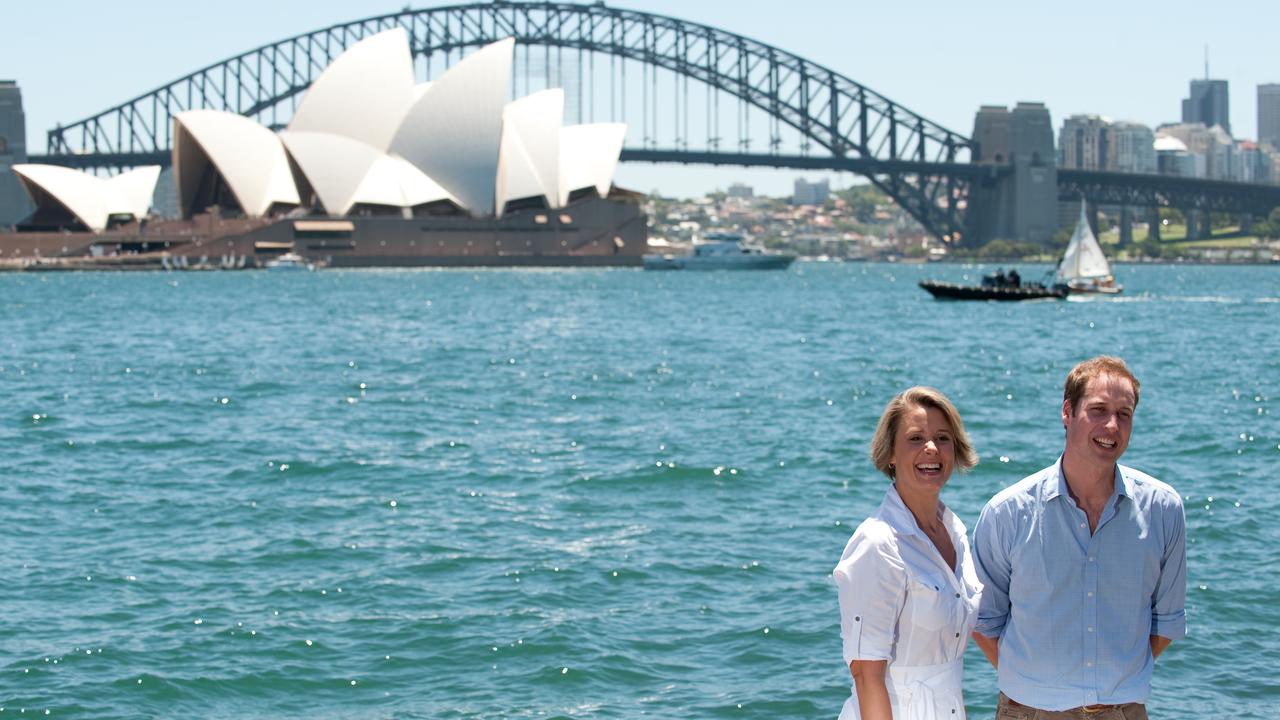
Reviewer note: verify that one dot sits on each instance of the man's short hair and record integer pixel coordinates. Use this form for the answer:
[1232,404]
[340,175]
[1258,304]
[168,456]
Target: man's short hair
[925,397]
[1080,375]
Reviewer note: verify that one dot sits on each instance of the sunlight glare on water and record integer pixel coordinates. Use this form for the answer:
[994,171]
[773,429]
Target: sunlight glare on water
[584,493]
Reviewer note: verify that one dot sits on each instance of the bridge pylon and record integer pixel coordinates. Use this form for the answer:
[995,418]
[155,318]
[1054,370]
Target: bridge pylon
[1017,198]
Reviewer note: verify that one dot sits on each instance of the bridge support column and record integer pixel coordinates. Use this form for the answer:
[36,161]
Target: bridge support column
[1206,224]
[1126,226]
[1022,202]
[1192,219]
[1153,223]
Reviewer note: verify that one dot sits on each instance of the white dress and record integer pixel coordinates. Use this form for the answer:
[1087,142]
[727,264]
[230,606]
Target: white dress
[900,602]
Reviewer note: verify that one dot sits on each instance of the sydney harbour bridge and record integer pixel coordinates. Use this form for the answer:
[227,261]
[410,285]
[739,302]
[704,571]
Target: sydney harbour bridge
[690,93]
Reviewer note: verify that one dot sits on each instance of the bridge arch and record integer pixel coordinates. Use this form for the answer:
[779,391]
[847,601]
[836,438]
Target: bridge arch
[852,126]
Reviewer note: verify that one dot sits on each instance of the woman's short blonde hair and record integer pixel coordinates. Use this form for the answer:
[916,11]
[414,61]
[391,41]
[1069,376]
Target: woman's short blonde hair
[926,397]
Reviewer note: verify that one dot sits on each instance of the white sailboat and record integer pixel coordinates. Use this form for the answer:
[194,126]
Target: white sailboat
[1083,268]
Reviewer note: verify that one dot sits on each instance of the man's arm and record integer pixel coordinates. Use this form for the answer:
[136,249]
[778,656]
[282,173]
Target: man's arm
[1168,613]
[1158,644]
[991,647]
[995,570]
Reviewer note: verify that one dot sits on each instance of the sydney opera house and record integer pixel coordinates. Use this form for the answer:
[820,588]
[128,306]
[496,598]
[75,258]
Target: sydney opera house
[373,169]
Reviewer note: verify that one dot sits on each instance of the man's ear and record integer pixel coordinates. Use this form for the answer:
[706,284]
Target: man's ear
[1066,411]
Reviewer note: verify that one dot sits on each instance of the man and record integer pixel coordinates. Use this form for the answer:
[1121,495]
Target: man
[1084,567]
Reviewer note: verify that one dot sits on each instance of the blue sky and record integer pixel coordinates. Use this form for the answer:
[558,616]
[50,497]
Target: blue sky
[1132,61]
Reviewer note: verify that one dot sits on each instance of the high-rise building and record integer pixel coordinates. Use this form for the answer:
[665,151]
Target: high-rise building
[1211,148]
[807,193]
[1269,114]
[1084,143]
[741,191]
[1133,148]
[14,204]
[1208,104]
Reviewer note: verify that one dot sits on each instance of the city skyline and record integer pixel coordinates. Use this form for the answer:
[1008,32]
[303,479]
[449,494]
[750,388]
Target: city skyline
[956,60]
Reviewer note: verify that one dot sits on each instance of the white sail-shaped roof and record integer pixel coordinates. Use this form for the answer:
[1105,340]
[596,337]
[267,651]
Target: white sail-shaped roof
[453,133]
[1084,257]
[394,178]
[134,190]
[529,164]
[363,94]
[249,157]
[92,200]
[589,156]
[334,165]
[346,172]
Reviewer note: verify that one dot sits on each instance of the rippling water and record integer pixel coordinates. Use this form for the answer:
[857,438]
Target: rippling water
[458,494]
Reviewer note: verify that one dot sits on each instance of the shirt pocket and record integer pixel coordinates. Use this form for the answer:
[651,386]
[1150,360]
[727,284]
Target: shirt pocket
[931,601]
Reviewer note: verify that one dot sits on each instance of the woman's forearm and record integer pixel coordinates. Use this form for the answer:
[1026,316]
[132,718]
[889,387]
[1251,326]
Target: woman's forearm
[873,694]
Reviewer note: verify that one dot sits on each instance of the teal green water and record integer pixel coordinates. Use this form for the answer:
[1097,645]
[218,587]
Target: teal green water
[586,494]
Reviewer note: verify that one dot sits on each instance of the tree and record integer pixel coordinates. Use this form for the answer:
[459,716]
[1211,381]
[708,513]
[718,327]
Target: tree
[1269,228]
[1149,247]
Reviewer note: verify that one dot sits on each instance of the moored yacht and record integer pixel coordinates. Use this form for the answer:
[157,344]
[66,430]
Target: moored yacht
[721,251]
[289,262]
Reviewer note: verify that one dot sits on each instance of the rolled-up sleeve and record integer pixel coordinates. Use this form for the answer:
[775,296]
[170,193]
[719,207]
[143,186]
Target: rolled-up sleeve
[1168,603]
[872,582]
[991,560]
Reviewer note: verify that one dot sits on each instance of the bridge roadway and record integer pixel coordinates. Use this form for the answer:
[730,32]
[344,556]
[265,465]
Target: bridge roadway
[1098,187]
[920,164]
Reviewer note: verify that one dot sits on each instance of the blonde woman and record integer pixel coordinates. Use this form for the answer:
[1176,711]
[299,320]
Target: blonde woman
[908,589]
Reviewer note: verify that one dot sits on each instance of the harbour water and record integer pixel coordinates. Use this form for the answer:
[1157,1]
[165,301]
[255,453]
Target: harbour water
[563,493]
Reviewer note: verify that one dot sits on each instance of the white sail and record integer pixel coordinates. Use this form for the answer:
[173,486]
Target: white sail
[1083,258]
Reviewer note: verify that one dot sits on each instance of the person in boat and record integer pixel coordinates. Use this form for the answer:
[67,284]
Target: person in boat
[1083,565]
[907,584]
[1014,279]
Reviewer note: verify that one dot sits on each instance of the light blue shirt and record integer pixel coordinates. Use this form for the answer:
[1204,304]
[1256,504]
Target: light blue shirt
[1074,611]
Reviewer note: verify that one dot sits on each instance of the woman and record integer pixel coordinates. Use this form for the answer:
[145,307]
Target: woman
[908,591]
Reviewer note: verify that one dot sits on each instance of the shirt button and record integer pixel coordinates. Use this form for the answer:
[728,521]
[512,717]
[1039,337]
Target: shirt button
[1090,593]
[957,634]
[957,594]
[1090,558]
[857,618]
[1081,524]
[1090,628]
[1089,664]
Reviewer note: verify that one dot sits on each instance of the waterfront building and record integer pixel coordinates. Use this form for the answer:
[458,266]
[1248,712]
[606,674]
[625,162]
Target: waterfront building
[1269,114]
[1084,143]
[1132,148]
[807,193]
[1208,104]
[1211,147]
[1254,162]
[13,151]
[1172,157]
[741,191]
[366,141]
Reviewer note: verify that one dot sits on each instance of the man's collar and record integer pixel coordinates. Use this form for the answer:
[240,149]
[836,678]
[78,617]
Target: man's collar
[1055,483]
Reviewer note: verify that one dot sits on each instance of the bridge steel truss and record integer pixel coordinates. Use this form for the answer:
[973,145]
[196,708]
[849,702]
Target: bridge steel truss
[911,158]
[1140,190]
